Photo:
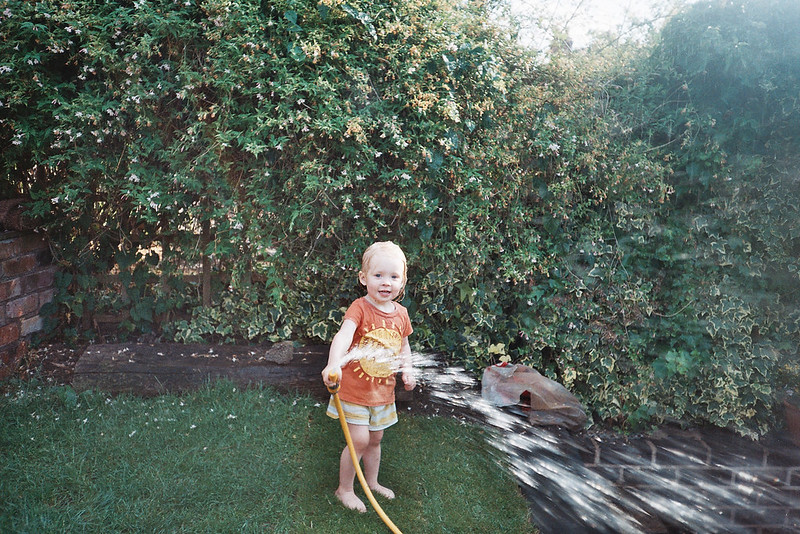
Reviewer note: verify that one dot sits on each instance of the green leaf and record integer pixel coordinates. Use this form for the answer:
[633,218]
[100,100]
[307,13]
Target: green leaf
[362,17]
[291,16]
[320,330]
[296,52]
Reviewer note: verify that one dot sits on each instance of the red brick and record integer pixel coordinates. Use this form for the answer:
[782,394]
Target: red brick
[773,476]
[29,282]
[47,277]
[9,334]
[19,265]
[46,296]
[37,280]
[10,289]
[31,325]
[21,244]
[9,248]
[34,242]
[22,306]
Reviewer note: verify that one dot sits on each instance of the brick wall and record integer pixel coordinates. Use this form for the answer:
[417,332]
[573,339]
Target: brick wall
[26,284]
[752,487]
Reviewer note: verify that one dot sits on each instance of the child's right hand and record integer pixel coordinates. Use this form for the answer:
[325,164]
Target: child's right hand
[331,370]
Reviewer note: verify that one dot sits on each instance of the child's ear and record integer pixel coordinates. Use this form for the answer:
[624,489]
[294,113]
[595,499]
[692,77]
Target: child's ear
[362,278]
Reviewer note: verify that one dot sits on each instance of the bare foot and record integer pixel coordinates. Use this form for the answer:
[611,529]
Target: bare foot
[382,490]
[350,500]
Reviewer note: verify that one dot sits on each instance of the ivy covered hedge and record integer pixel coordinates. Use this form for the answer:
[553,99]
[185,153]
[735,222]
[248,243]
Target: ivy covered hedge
[271,141]
[717,97]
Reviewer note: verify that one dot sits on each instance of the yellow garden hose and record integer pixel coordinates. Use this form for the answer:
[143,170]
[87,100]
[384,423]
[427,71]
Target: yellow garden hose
[334,390]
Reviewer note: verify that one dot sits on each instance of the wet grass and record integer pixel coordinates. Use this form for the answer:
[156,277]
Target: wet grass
[229,460]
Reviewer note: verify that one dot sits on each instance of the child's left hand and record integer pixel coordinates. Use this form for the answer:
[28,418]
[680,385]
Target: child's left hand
[409,381]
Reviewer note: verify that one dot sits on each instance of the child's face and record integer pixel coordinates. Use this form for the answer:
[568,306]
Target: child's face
[384,278]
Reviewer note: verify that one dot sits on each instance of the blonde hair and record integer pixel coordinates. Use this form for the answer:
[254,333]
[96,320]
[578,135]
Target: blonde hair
[385,247]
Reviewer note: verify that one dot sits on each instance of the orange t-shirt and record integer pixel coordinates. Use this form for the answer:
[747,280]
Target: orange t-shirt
[367,381]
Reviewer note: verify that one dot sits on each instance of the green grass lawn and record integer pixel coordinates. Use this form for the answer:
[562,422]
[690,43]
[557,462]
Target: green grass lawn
[225,459]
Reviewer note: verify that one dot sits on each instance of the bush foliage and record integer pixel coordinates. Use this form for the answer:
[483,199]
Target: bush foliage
[717,98]
[583,215]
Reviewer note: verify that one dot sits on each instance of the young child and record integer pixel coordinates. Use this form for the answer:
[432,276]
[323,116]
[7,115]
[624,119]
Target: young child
[376,330]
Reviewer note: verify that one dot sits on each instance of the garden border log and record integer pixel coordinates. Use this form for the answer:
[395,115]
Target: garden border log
[149,369]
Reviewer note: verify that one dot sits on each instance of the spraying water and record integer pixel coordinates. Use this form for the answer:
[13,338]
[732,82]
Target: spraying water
[567,496]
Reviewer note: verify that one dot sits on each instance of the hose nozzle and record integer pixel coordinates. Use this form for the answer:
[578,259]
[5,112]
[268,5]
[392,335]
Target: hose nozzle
[333,377]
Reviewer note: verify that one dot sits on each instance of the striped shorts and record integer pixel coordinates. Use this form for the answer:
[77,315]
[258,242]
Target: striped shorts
[375,417]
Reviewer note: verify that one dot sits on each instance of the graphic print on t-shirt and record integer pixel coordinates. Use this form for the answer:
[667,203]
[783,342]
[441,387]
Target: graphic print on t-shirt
[387,340]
